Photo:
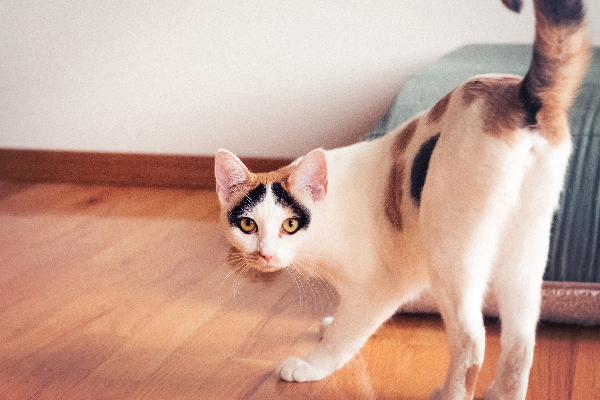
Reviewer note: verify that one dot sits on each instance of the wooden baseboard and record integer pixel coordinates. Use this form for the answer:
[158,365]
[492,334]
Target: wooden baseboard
[152,170]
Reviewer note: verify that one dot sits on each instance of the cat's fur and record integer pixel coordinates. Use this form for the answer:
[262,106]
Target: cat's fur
[460,197]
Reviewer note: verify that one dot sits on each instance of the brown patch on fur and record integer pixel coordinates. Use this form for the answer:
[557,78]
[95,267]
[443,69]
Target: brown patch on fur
[471,380]
[437,112]
[393,198]
[475,89]
[502,111]
[404,137]
[517,363]
[485,86]
[394,193]
[281,175]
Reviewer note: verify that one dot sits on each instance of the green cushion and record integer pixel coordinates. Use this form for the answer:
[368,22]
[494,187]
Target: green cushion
[575,244]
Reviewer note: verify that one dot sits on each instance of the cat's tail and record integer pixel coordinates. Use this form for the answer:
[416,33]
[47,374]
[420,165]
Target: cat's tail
[561,54]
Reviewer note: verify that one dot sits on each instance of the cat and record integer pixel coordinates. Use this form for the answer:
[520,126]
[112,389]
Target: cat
[460,198]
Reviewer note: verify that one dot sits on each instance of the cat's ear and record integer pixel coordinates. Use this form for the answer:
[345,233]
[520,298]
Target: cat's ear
[310,177]
[231,174]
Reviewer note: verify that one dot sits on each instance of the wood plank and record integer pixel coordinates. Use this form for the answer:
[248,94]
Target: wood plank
[586,385]
[551,375]
[124,169]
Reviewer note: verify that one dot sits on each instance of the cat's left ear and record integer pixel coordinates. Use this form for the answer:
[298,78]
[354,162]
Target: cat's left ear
[231,175]
[310,177]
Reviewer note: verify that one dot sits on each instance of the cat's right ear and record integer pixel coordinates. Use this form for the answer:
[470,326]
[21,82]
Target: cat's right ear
[231,174]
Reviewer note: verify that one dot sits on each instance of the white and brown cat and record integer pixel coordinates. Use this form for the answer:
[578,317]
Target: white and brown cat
[459,198]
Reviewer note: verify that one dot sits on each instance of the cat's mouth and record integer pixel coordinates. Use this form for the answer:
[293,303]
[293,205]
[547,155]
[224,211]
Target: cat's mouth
[270,266]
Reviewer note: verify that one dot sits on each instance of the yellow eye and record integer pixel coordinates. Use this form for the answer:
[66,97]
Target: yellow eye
[247,225]
[291,225]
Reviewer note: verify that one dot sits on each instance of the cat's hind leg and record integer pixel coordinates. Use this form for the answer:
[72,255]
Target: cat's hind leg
[517,284]
[517,278]
[472,183]
[518,295]
[459,285]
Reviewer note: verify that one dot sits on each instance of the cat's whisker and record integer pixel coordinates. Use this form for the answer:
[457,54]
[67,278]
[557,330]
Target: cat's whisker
[307,267]
[238,281]
[307,258]
[311,285]
[236,256]
[329,291]
[303,279]
[239,267]
[312,266]
[233,270]
[294,274]
[235,260]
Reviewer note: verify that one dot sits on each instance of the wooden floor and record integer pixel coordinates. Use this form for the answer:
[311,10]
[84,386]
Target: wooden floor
[117,293]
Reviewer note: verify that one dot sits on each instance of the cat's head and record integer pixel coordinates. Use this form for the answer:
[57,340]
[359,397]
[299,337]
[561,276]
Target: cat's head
[267,216]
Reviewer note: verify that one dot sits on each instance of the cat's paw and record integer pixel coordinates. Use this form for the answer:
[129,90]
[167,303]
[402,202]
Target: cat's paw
[324,324]
[295,369]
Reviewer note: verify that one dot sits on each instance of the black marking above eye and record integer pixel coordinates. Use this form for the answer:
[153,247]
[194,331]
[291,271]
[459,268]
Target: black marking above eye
[246,205]
[285,199]
[418,172]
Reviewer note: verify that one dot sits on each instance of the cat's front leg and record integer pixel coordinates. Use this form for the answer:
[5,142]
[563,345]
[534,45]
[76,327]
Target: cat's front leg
[358,317]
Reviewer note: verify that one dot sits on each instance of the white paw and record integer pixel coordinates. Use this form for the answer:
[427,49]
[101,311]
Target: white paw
[295,369]
[324,324]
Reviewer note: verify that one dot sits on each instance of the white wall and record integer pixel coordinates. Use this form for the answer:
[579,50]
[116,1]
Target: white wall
[262,78]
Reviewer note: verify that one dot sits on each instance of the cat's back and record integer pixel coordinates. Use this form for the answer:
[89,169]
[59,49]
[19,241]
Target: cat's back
[481,115]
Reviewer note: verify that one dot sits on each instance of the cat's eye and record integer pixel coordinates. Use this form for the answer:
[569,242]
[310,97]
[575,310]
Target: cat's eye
[291,225]
[247,225]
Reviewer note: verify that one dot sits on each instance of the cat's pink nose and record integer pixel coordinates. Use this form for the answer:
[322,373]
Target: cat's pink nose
[266,257]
